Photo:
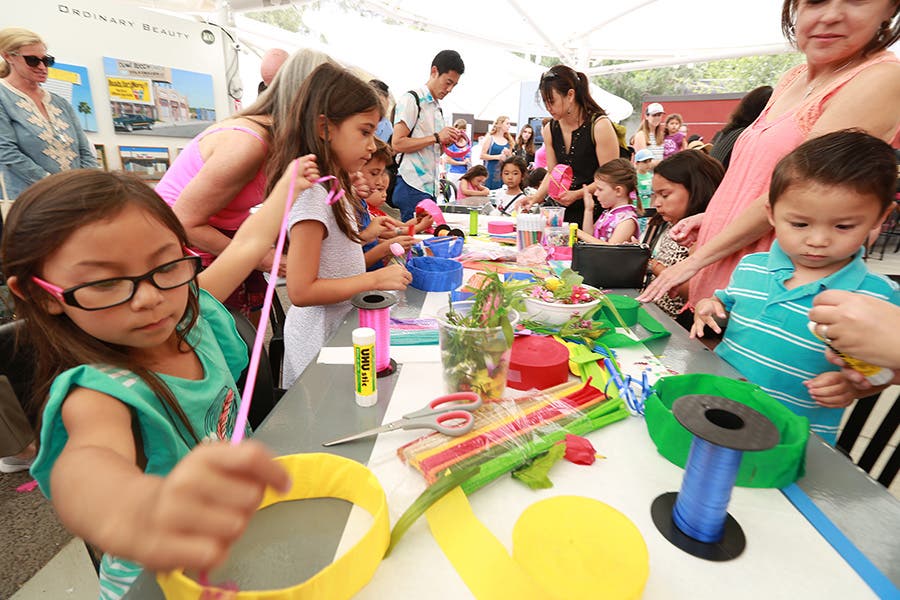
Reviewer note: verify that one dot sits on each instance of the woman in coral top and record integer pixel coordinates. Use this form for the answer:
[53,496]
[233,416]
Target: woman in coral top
[849,80]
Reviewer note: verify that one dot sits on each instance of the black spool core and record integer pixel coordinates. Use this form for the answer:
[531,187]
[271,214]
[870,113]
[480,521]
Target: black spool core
[725,423]
[373,300]
[730,546]
[388,370]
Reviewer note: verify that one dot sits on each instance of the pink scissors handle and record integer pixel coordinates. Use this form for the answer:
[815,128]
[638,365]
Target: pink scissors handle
[458,401]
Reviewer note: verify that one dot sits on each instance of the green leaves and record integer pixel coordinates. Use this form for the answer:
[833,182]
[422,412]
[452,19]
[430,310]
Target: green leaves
[536,474]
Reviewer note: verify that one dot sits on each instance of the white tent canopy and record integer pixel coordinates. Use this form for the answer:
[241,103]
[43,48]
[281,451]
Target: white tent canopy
[489,88]
[578,32]
[644,33]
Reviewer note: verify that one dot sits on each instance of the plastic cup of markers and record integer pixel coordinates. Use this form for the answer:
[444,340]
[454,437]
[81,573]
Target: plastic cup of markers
[474,359]
[554,216]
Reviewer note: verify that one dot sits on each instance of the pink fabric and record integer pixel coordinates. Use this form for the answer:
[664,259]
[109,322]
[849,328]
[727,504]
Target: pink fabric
[540,157]
[756,152]
[189,163]
[610,219]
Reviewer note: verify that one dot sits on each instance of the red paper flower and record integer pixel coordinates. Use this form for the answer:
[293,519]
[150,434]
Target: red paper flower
[579,450]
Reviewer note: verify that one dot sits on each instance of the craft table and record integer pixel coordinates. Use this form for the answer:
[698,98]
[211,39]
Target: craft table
[785,555]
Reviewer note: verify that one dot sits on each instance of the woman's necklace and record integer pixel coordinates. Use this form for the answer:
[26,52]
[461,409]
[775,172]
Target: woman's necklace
[815,84]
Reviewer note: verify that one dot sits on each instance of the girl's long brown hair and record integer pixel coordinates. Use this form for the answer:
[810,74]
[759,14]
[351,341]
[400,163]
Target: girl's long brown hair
[42,218]
[336,94]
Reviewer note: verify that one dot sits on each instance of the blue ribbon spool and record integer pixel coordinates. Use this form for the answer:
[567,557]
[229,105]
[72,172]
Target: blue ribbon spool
[432,274]
[696,519]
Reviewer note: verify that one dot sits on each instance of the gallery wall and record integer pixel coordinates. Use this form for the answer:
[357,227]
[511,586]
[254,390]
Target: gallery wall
[144,68]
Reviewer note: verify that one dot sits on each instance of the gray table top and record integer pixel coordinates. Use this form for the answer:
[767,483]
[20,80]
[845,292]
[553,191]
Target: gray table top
[304,418]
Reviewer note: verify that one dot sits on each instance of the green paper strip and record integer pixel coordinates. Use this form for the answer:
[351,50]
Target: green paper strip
[601,416]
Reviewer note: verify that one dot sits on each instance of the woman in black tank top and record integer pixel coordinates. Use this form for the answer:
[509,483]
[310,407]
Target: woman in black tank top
[580,135]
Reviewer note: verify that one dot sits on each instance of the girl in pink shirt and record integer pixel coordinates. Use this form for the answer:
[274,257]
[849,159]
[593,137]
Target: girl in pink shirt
[616,182]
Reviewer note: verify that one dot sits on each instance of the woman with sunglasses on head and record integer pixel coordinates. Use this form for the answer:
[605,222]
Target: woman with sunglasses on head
[849,80]
[579,135]
[39,130]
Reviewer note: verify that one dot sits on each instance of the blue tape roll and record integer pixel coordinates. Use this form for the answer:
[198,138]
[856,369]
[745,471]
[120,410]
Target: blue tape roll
[431,274]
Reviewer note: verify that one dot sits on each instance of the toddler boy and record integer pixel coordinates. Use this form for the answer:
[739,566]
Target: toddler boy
[825,198]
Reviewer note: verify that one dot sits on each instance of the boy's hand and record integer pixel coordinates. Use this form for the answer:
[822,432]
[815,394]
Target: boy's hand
[359,184]
[705,313]
[204,505]
[379,227]
[831,389]
[423,222]
[392,277]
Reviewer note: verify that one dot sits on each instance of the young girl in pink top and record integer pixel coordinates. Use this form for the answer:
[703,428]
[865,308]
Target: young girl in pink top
[615,182]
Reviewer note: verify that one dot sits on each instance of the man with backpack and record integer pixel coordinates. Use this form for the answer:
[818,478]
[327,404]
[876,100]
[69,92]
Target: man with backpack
[420,133]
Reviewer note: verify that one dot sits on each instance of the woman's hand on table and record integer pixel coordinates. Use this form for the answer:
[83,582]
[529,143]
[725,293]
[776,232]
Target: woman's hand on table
[670,277]
[686,230]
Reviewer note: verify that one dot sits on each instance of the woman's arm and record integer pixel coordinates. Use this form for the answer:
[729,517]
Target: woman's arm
[486,146]
[234,160]
[606,143]
[748,227]
[640,140]
[541,193]
[86,157]
[257,234]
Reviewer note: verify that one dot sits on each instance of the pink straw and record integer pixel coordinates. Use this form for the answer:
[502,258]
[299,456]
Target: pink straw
[241,424]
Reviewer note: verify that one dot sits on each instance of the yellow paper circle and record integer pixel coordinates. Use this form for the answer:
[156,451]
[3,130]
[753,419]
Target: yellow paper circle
[581,548]
[316,475]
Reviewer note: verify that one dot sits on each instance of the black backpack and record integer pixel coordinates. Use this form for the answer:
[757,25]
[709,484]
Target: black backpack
[394,168]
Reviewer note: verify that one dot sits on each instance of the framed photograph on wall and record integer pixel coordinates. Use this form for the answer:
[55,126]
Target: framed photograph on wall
[148,99]
[100,149]
[71,82]
[148,162]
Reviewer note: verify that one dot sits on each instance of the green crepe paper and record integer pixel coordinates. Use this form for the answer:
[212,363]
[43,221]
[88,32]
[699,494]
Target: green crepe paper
[773,468]
[619,340]
[536,474]
[603,414]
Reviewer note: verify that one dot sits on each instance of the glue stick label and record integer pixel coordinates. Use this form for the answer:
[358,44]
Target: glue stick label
[364,366]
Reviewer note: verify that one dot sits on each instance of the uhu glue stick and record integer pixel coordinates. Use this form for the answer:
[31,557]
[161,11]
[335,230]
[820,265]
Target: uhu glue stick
[364,366]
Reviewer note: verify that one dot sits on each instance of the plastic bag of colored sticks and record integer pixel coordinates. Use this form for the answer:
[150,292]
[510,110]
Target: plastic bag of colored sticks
[510,433]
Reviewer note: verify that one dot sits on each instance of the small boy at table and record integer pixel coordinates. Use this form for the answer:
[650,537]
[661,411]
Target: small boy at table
[824,199]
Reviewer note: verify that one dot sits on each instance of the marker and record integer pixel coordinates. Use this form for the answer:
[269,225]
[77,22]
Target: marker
[573,233]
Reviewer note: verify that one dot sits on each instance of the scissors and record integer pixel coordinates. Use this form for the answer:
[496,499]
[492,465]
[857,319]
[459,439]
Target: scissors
[450,415]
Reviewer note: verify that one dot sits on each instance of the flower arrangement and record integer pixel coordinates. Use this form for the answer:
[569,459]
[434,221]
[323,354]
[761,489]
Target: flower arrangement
[565,289]
[476,337]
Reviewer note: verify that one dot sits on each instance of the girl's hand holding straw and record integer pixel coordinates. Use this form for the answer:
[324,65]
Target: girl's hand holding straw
[191,517]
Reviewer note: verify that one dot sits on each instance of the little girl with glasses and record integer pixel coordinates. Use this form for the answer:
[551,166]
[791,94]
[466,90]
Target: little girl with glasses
[135,364]
[335,117]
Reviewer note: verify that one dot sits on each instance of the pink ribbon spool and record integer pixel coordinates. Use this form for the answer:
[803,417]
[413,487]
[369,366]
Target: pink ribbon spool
[463,150]
[375,312]
[560,180]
